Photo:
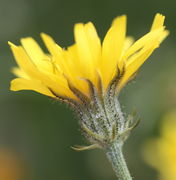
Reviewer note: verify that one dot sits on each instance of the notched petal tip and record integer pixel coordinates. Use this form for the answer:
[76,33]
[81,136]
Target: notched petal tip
[158,21]
[159,16]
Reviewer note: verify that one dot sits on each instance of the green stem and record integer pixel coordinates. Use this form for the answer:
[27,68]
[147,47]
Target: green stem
[115,156]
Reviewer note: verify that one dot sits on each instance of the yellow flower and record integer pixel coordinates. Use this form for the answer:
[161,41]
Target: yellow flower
[11,166]
[56,73]
[161,152]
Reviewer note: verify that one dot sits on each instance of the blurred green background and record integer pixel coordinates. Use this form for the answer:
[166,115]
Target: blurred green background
[38,131]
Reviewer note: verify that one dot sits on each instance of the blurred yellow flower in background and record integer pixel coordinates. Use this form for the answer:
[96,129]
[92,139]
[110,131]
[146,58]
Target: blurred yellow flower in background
[160,152]
[118,54]
[11,166]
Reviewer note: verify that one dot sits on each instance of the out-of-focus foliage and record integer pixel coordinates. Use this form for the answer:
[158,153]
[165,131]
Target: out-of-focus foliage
[161,152]
[41,130]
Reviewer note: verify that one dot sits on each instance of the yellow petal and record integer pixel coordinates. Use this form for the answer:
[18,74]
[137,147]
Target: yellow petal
[142,42]
[56,82]
[93,42]
[64,65]
[32,49]
[38,57]
[88,48]
[26,84]
[128,43]
[23,61]
[19,73]
[153,42]
[67,60]
[138,60]
[112,47]
[53,48]
[158,21]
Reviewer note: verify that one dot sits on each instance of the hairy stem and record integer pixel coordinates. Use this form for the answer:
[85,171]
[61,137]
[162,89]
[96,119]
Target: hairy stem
[115,156]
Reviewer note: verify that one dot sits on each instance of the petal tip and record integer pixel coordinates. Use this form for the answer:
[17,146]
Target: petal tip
[25,40]
[12,87]
[78,25]
[43,35]
[159,15]
[11,44]
[119,19]
[158,21]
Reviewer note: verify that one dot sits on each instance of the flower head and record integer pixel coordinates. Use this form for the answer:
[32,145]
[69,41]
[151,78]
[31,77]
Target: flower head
[89,74]
[160,152]
[55,73]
